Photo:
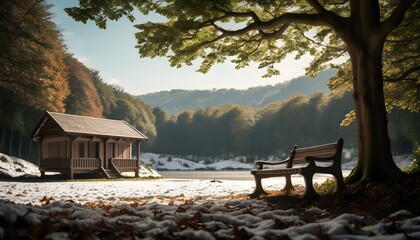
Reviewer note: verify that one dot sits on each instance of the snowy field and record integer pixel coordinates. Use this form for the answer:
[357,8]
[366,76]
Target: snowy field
[152,191]
[176,209]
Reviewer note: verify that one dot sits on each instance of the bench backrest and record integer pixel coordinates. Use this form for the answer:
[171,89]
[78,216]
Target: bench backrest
[326,150]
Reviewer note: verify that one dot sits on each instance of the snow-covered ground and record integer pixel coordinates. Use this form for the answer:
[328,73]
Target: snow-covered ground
[175,208]
[152,191]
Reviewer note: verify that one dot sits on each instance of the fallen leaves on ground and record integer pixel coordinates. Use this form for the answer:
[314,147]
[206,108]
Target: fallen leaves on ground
[363,210]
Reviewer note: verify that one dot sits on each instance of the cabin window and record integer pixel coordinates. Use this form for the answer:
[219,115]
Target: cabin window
[94,149]
[82,149]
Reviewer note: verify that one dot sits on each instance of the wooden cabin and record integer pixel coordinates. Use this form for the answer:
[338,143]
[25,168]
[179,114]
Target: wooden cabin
[72,144]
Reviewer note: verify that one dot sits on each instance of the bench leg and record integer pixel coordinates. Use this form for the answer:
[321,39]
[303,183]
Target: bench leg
[310,192]
[258,188]
[340,185]
[288,186]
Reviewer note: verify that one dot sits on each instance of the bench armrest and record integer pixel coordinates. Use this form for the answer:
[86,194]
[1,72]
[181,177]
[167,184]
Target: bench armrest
[260,164]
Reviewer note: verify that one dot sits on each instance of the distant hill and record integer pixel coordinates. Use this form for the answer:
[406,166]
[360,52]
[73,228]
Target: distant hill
[176,101]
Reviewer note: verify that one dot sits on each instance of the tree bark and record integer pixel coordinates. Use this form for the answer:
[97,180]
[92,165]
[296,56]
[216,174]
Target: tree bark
[375,161]
[365,44]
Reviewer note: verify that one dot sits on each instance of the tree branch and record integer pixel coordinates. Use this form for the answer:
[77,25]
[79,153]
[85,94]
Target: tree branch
[338,3]
[403,76]
[396,17]
[283,20]
[230,13]
[318,43]
[317,6]
[403,40]
[275,35]
[406,58]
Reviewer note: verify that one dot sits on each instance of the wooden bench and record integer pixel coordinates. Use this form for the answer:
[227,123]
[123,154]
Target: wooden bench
[329,153]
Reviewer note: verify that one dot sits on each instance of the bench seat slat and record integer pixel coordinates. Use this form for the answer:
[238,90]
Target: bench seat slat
[323,147]
[277,171]
[300,158]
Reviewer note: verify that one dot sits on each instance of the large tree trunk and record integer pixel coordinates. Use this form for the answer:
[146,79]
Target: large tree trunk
[375,161]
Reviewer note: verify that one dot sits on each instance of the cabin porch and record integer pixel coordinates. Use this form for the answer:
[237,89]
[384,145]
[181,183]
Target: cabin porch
[72,155]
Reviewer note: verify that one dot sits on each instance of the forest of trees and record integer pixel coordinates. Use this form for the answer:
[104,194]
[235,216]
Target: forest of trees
[38,74]
[234,130]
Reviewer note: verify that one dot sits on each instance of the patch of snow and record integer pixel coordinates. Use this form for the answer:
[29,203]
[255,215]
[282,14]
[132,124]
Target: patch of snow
[316,211]
[230,165]
[15,167]
[160,162]
[144,173]
[403,161]
[401,213]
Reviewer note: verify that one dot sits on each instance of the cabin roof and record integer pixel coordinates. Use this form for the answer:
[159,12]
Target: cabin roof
[82,125]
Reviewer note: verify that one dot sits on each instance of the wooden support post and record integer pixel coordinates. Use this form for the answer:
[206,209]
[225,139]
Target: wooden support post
[104,140]
[41,142]
[71,156]
[138,158]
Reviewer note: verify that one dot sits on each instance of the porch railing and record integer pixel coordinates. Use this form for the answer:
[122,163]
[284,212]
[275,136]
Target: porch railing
[86,163]
[91,163]
[123,163]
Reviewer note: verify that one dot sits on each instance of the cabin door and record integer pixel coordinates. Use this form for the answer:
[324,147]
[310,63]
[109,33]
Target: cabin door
[110,153]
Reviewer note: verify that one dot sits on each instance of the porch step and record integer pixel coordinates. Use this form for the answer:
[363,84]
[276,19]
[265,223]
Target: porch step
[111,173]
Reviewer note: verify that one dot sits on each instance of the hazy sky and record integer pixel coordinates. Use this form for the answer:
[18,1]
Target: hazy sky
[112,52]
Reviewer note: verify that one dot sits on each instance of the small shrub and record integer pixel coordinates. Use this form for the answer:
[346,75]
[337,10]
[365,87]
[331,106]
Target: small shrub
[326,187]
[416,162]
